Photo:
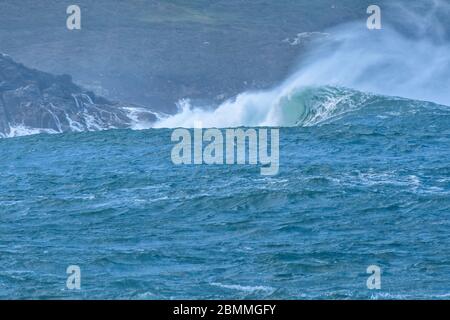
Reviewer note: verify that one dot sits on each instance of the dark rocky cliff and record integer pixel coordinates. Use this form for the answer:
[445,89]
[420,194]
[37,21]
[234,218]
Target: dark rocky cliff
[32,101]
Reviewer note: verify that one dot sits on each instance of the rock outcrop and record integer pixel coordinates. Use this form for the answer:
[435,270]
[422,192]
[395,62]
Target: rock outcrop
[32,101]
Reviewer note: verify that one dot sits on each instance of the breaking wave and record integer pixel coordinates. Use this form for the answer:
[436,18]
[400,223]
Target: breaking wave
[303,107]
[345,69]
[409,57]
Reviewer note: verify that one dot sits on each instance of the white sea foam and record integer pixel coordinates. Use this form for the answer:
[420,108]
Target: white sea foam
[247,289]
[75,126]
[21,130]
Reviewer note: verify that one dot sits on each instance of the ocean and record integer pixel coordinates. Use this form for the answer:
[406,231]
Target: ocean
[367,186]
[93,205]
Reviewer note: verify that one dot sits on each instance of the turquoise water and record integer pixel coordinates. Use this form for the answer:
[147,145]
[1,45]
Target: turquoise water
[368,186]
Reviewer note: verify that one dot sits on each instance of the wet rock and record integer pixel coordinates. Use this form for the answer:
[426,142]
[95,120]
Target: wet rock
[36,101]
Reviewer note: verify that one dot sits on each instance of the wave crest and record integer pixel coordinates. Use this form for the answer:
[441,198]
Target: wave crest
[409,57]
[306,106]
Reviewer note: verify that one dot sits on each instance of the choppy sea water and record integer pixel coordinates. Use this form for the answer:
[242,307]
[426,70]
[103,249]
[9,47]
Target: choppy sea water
[368,187]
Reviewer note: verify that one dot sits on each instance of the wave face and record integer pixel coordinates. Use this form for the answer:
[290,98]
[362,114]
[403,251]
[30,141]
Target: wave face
[307,106]
[409,57]
[302,107]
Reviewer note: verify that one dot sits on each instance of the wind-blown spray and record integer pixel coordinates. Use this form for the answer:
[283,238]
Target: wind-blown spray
[409,57]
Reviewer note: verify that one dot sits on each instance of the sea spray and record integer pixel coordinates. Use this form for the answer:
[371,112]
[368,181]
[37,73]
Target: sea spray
[409,57]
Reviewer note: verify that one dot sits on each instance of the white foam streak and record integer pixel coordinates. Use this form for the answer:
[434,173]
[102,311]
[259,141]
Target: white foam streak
[21,130]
